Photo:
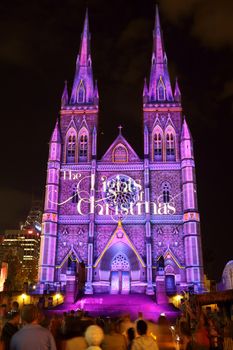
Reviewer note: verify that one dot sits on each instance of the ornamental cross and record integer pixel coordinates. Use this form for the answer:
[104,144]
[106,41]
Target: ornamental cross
[120,127]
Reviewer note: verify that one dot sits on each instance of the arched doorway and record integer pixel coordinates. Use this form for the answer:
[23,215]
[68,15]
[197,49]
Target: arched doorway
[170,284]
[120,274]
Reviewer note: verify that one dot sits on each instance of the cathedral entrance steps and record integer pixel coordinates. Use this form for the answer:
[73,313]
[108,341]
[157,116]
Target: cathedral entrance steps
[118,305]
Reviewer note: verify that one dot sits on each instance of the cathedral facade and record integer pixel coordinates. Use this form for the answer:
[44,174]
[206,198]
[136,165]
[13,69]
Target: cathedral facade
[121,223]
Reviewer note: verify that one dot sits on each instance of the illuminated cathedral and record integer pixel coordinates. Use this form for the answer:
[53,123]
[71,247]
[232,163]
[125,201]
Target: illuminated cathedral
[121,224]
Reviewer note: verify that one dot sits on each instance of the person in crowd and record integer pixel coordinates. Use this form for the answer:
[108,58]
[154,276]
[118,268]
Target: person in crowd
[180,322]
[187,340]
[164,334]
[126,323]
[75,335]
[63,322]
[228,334]
[32,335]
[114,340]
[201,335]
[15,306]
[55,328]
[3,313]
[130,337]
[94,336]
[10,328]
[143,341]
[214,335]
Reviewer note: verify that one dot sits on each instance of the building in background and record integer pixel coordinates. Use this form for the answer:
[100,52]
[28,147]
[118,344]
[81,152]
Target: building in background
[132,222]
[34,218]
[25,244]
[20,248]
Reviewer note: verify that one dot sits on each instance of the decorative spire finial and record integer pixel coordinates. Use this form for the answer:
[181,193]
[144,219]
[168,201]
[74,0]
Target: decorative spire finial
[65,97]
[120,127]
[177,94]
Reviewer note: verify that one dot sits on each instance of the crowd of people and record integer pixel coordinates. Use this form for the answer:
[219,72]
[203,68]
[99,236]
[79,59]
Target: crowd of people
[30,329]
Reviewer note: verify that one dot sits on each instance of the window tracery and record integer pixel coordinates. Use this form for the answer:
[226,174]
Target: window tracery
[70,148]
[120,154]
[170,144]
[161,92]
[158,146]
[120,263]
[81,93]
[83,146]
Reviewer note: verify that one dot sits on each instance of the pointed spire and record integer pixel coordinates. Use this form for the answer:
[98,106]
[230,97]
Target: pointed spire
[84,53]
[145,92]
[177,94]
[96,92]
[56,135]
[83,86]
[158,43]
[185,132]
[159,69]
[65,97]
[145,89]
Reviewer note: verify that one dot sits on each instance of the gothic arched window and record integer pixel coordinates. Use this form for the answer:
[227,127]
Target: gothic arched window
[120,154]
[161,90]
[170,146]
[70,148]
[81,93]
[83,146]
[158,146]
[166,192]
[161,93]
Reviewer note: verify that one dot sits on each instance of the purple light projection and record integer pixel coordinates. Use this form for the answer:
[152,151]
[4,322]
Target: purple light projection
[121,253]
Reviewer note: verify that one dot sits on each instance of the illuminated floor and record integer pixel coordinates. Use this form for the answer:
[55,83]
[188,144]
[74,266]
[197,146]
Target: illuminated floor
[117,305]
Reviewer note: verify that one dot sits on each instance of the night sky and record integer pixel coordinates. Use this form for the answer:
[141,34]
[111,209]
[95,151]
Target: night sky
[38,48]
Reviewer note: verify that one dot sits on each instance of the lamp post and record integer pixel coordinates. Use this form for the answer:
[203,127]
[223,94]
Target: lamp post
[23,297]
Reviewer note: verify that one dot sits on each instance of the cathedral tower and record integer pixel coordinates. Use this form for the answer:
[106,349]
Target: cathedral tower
[73,148]
[170,174]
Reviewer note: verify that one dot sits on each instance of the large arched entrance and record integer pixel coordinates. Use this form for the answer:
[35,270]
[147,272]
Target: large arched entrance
[120,274]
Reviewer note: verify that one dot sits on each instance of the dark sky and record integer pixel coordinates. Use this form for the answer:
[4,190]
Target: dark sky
[38,48]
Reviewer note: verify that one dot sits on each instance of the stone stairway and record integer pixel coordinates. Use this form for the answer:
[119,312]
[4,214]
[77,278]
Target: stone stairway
[117,305]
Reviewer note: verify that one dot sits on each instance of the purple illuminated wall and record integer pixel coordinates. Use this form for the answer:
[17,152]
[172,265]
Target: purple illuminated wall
[122,250]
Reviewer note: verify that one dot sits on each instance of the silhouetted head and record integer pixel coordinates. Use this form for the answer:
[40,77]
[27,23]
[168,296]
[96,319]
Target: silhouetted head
[141,327]
[131,333]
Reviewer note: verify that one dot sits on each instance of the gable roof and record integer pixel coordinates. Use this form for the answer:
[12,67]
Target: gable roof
[120,139]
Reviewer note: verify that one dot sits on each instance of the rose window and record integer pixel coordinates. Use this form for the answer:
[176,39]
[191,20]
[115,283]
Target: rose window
[121,192]
[120,262]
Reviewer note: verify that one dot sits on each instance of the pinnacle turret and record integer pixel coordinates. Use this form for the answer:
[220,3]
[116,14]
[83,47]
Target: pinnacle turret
[65,97]
[145,92]
[96,93]
[56,135]
[185,132]
[177,93]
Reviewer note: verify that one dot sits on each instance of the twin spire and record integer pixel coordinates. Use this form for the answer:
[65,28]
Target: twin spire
[159,89]
[85,92]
